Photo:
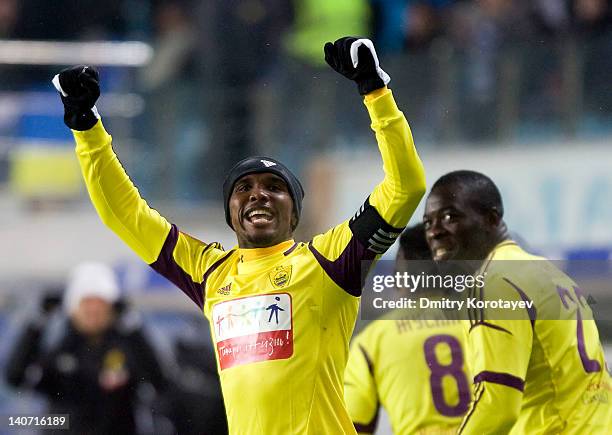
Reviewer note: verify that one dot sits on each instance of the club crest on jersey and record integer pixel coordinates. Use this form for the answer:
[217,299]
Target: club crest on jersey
[280,276]
[225,290]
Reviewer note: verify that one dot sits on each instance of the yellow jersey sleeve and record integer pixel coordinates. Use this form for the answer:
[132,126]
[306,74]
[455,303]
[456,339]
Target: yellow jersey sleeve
[499,349]
[115,197]
[403,186]
[381,219]
[493,410]
[181,258]
[360,389]
[540,369]
[414,369]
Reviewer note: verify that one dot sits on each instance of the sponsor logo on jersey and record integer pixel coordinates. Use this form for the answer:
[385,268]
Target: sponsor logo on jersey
[252,329]
[280,276]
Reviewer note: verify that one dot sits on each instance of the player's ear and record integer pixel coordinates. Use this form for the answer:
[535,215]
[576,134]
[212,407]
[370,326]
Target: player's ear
[294,221]
[493,217]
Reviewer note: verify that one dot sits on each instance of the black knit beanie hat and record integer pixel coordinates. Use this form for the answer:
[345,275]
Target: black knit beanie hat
[255,165]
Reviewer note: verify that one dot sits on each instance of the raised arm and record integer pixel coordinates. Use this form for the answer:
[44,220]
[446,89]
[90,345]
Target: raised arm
[386,211]
[398,195]
[115,197]
[179,257]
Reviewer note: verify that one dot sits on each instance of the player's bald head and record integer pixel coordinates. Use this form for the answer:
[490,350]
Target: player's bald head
[476,189]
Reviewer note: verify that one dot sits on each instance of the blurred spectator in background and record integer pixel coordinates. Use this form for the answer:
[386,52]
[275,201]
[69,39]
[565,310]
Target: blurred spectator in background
[550,16]
[408,25]
[422,25]
[424,22]
[197,403]
[231,78]
[418,52]
[9,10]
[486,32]
[175,129]
[239,46]
[388,25]
[92,373]
[592,16]
[9,16]
[311,112]
[593,25]
[72,19]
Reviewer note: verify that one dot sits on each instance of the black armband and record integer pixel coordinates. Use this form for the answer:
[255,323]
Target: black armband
[369,227]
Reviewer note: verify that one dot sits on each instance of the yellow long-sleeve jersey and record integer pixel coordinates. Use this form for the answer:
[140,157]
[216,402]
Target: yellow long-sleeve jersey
[543,370]
[281,317]
[415,369]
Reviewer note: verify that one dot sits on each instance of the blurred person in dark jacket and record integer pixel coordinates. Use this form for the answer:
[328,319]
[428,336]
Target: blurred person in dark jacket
[94,370]
[197,404]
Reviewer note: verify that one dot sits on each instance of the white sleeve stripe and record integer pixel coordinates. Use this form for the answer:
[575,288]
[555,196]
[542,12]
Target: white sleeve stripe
[382,240]
[387,235]
[373,243]
[355,58]
[377,250]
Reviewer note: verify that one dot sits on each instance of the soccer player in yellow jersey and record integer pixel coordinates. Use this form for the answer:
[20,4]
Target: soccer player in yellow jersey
[413,367]
[532,374]
[281,312]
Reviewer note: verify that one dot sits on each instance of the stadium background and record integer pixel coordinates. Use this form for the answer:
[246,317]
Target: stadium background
[520,90]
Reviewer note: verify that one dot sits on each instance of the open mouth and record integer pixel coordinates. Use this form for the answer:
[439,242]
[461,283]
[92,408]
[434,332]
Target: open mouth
[259,216]
[442,253]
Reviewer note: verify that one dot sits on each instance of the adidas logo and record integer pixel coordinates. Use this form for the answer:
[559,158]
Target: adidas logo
[268,163]
[225,290]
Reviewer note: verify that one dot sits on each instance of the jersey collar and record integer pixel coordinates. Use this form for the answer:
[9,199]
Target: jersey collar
[504,244]
[253,254]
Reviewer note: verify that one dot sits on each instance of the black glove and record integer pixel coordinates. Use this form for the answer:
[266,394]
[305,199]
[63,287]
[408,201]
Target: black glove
[356,59]
[79,88]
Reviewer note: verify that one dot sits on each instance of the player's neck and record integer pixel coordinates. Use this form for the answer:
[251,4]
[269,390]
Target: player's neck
[501,235]
[250,254]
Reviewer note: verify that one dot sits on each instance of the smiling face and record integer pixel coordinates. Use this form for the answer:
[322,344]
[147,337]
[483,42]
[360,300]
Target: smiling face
[455,229]
[261,210]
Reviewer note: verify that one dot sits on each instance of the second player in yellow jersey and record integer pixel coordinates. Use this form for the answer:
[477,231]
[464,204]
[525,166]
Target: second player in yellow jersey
[413,368]
[540,370]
